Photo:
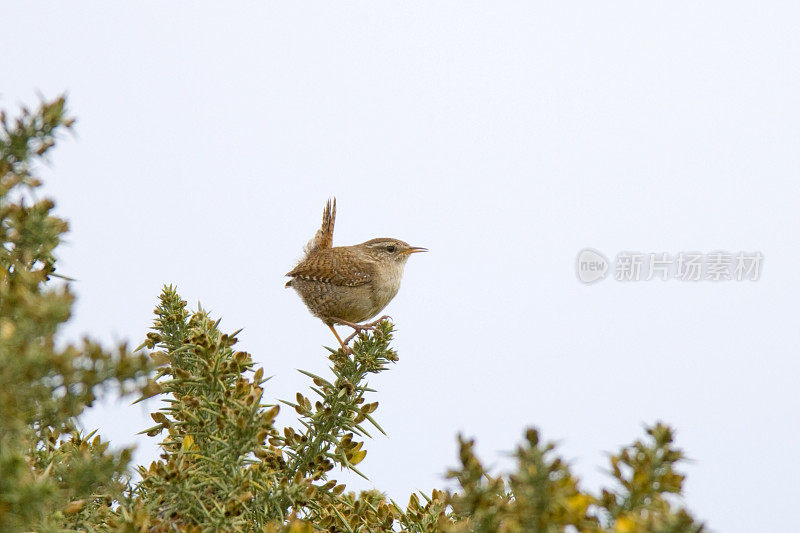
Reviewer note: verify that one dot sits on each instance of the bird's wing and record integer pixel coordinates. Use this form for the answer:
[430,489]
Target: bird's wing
[324,236]
[335,268]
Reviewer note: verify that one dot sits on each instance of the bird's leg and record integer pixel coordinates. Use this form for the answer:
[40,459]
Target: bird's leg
[351,337]
[358,328]
[345,349]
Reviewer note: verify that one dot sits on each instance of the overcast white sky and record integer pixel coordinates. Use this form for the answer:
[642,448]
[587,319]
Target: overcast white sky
[505,137]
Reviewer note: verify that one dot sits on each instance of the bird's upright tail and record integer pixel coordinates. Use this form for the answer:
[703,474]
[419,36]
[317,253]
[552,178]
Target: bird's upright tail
[324,236]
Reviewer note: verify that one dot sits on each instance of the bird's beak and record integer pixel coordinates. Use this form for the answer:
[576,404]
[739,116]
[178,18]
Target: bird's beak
[415,249]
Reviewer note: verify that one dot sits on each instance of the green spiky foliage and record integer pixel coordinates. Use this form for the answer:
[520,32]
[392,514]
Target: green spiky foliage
[51,475]
[225,464]
[543,496]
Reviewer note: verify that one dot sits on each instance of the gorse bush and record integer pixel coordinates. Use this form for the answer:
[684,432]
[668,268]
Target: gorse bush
[52,476]
[224,464]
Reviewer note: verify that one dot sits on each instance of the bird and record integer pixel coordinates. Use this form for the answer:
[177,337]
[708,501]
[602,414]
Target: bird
[346,285]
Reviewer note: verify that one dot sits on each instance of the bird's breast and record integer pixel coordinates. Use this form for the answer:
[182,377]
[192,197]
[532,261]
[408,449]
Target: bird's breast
[385,287]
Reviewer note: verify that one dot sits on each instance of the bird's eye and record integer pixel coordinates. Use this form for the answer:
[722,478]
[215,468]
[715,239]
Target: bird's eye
[391,248]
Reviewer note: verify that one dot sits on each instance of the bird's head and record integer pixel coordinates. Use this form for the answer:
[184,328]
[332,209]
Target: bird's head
[387,250]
